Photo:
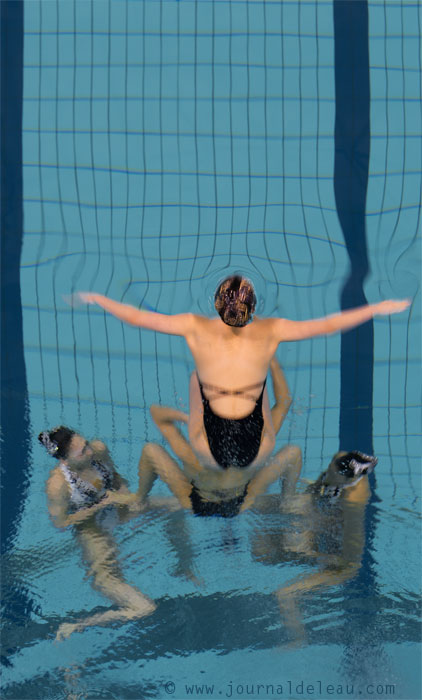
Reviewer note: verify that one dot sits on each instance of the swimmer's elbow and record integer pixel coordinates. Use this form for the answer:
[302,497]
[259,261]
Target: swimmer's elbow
[135,317]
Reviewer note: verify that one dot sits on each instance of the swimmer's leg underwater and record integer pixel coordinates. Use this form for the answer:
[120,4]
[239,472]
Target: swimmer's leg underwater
[334,568]
[156,461]
[100,555]
[286,464]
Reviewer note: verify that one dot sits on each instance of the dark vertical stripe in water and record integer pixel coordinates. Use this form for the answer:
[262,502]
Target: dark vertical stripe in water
[352,148]
[15,433]
[352,141]
[14,406]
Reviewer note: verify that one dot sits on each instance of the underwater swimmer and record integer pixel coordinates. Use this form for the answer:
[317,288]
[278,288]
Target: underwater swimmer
[322,528]
[232,354]
[80,491]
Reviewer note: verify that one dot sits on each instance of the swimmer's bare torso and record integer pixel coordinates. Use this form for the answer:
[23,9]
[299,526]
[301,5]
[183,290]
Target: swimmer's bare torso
[230,359]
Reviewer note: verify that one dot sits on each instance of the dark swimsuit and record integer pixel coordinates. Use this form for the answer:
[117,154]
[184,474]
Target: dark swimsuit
[223,509]
[234,442]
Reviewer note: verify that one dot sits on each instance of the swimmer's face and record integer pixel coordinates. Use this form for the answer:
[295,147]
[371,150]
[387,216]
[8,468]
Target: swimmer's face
[80,451]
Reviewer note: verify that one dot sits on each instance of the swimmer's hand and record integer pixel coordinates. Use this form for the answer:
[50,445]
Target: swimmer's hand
[121,498]
[87,297]
[79,298]
[392,306]
[128,500]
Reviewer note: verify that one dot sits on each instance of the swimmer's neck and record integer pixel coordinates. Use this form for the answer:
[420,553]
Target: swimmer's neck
[77,467]
[233,330]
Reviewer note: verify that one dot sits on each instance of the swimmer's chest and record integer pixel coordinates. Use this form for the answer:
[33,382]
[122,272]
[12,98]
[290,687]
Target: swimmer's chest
[92,477]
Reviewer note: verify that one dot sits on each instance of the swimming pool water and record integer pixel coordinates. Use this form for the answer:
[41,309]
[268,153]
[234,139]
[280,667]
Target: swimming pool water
[163,144]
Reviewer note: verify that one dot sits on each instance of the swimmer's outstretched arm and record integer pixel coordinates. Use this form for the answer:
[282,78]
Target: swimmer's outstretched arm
[286,330]
[178,324]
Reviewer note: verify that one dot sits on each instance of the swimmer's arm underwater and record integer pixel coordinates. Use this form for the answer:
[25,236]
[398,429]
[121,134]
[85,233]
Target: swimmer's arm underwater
[58,504]
[178,324]
[286,330]
[102,454]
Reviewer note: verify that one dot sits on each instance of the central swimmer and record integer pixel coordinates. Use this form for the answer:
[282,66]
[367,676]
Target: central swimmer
[230,425]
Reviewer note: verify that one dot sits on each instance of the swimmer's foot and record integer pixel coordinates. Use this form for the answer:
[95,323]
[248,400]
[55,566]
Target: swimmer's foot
[66,629]
[139,609]
[140,606]
[292,619]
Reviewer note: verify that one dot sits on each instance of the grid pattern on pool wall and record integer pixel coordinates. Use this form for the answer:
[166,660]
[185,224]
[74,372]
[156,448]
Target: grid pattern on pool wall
[168,143]
[393,222]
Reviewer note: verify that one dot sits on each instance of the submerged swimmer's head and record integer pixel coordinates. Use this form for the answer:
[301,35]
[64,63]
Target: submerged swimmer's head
[235,301]
[345,470]
[67,445]
[57,441]
[351,466]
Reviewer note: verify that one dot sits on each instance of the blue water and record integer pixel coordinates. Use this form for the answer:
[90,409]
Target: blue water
[154,162]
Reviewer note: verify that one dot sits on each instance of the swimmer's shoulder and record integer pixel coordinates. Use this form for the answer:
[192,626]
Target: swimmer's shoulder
[56,486]
[264,321]
[203,323]
[264,328]
[199,318]
[267,326]
[280,329]
[101,453]
[98,446]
